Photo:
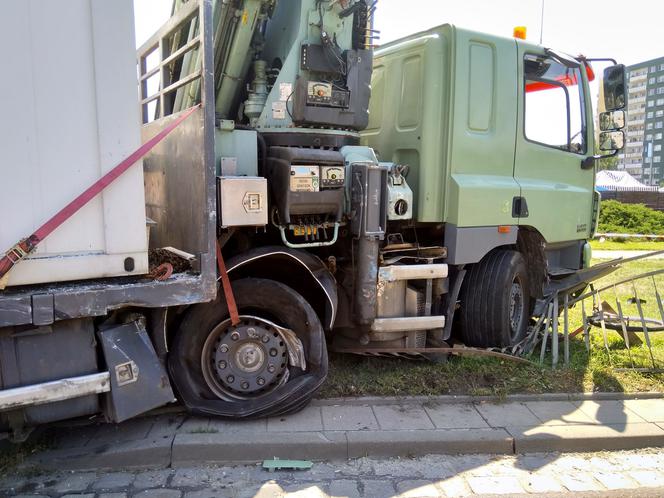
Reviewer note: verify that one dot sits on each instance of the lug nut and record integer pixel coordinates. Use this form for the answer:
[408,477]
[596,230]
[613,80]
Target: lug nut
[266,338]
[235,336]
[260,381]
[271,368]
[273,352]
[230,379]
[245,385]
[223,348]
[222,364]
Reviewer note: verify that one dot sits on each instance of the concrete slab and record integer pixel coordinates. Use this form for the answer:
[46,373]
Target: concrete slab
[417,489]
[455,487]
[140,454]
[401,417]
[577,437]
[224,426]
[422,442]
[348,418]
[344,488]
[648,478]
[503,485]
[507,414]
[308,420]
[198,449]
[609,412]
[130,430]
[615,480]
[193,424]
[651,410]
[558,412]
[541,483]
[378,487]
[576,481]
[448,416]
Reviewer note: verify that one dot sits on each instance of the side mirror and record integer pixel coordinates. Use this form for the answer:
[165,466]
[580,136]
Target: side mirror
[611,140]
[614,87]
[612,120]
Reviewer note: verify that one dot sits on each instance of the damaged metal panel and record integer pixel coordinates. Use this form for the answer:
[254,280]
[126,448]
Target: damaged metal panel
[139,381]
[42,354]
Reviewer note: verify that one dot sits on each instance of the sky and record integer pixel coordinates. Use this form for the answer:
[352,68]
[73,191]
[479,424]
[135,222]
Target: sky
[629,31]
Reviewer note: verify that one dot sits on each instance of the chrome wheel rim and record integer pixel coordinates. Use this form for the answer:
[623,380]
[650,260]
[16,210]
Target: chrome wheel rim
[516,307]
[244,361]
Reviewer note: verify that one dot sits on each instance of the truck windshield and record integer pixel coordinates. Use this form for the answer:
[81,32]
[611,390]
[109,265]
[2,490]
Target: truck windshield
[554,114]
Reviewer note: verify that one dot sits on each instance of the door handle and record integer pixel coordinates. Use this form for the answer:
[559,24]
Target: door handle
[519,207]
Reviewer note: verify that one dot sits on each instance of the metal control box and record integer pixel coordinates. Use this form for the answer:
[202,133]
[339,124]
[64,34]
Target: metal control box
[242,201]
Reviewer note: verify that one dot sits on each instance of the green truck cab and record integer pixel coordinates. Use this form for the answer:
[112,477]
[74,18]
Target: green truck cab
[499,140]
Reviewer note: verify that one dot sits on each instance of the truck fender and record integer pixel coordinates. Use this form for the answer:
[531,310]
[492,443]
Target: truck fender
[300,270]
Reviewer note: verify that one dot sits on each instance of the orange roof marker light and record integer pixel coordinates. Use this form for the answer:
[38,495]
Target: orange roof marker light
[520,32]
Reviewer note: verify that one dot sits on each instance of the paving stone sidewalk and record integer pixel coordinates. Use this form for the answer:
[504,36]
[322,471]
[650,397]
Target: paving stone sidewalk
[627,473]
[339,430]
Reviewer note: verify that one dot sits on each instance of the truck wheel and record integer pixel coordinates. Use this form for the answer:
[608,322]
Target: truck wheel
[495,302]
[248,370]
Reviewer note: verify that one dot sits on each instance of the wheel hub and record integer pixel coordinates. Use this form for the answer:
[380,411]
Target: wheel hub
[516,306]
[246,360]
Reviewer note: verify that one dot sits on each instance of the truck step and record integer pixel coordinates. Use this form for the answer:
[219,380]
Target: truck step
[408,323]
[412,272]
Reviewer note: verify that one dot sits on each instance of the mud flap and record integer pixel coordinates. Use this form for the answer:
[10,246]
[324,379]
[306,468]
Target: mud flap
[139,381]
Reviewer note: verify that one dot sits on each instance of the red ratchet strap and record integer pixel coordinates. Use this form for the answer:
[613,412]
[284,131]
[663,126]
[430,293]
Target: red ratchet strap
[228,290]
[27,245]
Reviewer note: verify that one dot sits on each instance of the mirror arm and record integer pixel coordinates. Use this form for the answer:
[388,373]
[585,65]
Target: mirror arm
[589,162]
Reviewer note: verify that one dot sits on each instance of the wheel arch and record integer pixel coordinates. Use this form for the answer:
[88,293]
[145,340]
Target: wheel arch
[301,271]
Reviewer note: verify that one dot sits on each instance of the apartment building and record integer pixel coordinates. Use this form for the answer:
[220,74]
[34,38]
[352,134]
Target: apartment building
[645,122]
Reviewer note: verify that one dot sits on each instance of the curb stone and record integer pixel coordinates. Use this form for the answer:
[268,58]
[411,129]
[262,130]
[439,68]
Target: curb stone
[450,398]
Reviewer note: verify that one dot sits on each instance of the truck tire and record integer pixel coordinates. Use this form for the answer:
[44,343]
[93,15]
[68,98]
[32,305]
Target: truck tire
[495,302]
[244,371]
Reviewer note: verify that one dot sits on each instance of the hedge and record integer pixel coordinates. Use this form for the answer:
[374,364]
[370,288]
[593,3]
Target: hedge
[617,217]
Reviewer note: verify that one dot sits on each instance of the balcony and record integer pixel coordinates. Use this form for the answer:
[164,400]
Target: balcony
[636,100]
[641,87]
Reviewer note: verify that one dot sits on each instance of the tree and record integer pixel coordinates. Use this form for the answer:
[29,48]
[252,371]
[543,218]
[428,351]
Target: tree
[608,162]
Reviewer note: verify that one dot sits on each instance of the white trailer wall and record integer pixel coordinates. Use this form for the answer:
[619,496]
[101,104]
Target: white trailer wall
[68,98]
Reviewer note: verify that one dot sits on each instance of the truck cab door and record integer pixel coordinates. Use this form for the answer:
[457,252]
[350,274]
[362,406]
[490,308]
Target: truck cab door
[554,135]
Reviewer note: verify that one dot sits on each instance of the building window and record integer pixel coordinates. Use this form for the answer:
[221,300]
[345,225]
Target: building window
[651,81]
[658,148]
[649,126]
[552,92]
[649,115]
[660,79]
[651,92]
[660,90]
[660,101]
[648,137]
[657,159]
[658,124]
[651,103]
[653,69]
[658,136]
[659,113]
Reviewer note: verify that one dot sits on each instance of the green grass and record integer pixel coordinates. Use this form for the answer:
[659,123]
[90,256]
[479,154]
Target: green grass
[627,245]
[361,376]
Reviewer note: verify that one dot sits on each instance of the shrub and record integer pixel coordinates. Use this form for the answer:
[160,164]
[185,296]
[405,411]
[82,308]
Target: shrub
[617,217]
